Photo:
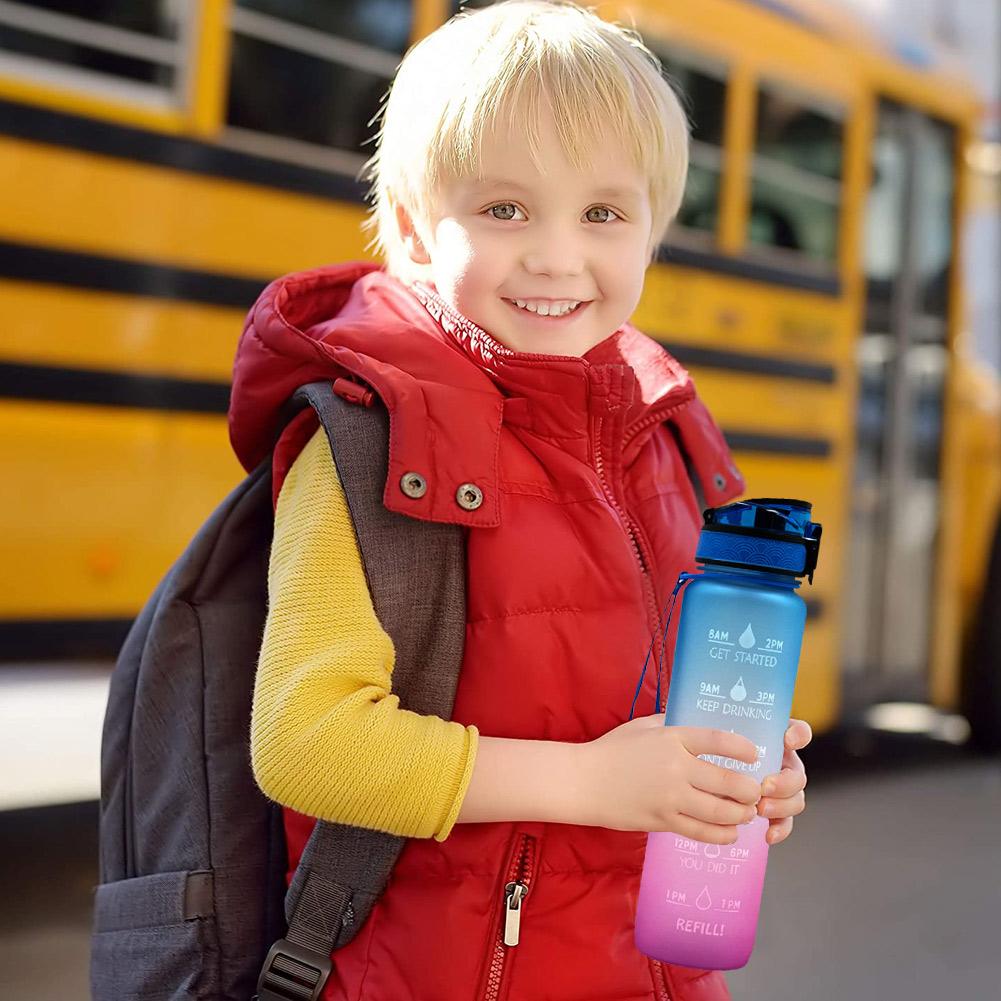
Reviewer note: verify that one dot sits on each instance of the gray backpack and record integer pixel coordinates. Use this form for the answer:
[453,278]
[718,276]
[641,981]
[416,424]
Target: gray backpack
[192,901]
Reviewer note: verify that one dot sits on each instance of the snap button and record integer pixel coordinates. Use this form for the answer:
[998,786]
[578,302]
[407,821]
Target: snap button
[413,485]
[719,481]
[469,496]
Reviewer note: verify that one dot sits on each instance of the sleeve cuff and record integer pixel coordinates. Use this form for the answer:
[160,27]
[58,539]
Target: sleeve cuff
[467,774]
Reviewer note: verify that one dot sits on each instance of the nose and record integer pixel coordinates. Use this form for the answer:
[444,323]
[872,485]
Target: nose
[555,250]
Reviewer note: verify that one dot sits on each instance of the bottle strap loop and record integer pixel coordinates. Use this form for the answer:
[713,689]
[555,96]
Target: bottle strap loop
[683,579]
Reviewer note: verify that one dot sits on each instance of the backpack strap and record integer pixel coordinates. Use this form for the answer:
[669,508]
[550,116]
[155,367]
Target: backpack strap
[416,575]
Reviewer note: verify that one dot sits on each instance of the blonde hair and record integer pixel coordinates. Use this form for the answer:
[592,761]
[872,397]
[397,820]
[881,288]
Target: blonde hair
[520,56]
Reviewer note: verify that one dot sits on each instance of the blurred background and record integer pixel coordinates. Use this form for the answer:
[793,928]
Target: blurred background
[831,283]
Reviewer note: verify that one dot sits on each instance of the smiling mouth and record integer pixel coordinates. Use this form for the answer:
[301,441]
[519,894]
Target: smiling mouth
[548,310]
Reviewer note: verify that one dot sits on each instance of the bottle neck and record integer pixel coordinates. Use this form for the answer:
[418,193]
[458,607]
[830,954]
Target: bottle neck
[747,576]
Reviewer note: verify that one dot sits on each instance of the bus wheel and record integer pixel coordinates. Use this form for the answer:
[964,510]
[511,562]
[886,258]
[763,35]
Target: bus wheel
[982,677]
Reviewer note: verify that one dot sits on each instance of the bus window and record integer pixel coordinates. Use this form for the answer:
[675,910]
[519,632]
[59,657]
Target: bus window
[934,182]
[930,147]
[702,92]
[383,24]
[796,177]
[903,362]
[123,48]
[312,71]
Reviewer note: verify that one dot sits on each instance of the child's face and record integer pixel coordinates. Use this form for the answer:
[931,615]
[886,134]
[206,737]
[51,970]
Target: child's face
[543,237]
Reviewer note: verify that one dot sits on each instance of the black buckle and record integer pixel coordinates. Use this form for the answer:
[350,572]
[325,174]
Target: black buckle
[812,542]
[292,973]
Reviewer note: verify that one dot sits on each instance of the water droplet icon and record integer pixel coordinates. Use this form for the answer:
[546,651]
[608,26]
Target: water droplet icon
[738,693]
[704,901]
[747,639]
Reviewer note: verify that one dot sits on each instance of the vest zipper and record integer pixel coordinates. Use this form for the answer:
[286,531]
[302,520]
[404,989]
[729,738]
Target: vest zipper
[660,981]
[518,881]
[658,417]
[631,531]
[619,509]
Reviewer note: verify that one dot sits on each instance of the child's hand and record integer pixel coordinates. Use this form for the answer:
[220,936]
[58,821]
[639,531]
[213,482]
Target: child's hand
[644,776]
[783,797]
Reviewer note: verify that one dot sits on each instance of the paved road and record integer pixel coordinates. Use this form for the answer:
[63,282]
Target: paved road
[888,890]
[890,887]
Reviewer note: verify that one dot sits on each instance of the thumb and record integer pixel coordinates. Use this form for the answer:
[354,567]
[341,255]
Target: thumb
[722,743]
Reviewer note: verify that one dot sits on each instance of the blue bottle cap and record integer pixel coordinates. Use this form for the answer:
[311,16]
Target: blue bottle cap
[766,533]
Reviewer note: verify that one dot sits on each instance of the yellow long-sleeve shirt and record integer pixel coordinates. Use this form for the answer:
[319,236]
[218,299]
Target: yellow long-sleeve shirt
[327,736]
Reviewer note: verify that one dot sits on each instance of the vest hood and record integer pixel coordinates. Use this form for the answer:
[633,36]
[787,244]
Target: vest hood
[449,386]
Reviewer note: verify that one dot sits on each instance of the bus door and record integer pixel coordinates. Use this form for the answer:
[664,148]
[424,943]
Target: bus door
[902,363]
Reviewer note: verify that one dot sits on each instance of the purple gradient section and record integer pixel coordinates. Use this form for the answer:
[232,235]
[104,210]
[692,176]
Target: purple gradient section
[699,903]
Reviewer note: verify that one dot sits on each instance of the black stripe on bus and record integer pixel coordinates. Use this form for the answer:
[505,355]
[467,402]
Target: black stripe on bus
[59,128]
[26,262]
[112,389]
[102,639]
[62,639]
[739,361]
[776,444]
[742,267]
[94,272]
[123,389]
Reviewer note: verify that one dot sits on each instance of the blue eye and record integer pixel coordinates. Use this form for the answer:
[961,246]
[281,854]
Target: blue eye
[608,214]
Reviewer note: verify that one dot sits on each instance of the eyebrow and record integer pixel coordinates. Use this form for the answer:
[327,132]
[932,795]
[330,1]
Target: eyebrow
[617,193]
[497,182]
[610,192]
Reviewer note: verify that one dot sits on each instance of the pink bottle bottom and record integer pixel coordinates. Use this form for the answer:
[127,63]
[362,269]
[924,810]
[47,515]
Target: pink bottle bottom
[698,903]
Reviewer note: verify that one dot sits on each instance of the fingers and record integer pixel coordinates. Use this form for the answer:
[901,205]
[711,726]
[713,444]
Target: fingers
[709,809]
[798,734]
[720,781]
[791,806]
[788,782]
[710,834]
[779,831]
[701,740]
[783,799]
[791,760]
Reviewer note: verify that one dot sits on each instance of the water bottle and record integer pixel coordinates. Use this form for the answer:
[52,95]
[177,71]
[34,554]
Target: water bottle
[735,662]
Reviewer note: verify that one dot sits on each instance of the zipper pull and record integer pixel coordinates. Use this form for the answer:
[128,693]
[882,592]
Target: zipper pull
[513,895]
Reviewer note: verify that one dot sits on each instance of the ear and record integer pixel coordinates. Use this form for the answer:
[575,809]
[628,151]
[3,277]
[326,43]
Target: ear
[410,237]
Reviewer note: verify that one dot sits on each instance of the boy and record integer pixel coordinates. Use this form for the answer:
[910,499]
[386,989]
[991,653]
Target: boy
[529,162]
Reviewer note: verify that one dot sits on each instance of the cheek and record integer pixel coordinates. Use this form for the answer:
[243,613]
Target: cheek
[465,275]
[452,257]
[623,283]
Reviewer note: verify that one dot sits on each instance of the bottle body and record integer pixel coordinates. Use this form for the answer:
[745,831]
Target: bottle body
[735,664]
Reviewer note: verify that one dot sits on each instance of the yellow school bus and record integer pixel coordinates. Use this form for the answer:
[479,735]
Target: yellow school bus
[161,162]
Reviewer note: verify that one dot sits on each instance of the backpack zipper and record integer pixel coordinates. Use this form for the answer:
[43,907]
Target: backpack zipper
[517,883]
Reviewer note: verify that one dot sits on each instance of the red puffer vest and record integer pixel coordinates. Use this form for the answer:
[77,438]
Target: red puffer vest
[587,517]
